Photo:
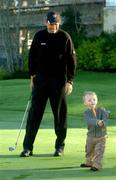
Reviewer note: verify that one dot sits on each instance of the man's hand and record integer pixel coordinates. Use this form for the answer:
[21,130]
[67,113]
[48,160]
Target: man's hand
[31,82]
[68,88]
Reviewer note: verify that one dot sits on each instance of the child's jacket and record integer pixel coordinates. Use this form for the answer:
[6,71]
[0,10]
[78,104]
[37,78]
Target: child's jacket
[93,129]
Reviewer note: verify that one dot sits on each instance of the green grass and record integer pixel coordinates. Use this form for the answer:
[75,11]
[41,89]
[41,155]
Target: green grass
[44,166]
[14,95]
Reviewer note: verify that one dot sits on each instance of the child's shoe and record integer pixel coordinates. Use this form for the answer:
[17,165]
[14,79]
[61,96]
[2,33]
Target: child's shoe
[84,165]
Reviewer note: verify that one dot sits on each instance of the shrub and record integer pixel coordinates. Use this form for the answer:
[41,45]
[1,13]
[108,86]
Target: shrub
[4,74]
[89,55]
[97,54]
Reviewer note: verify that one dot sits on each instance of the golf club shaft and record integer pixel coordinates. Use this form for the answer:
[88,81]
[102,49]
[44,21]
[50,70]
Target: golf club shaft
[22,122]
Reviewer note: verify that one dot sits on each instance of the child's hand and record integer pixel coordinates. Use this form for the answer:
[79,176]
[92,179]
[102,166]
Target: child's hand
[100,123]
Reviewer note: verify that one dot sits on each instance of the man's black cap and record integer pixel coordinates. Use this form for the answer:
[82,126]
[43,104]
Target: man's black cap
[53,17]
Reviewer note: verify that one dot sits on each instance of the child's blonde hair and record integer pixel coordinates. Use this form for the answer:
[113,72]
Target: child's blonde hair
[88,93]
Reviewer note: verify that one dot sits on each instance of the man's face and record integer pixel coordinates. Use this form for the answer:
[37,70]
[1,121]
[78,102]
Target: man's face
[90,101]
[52,28]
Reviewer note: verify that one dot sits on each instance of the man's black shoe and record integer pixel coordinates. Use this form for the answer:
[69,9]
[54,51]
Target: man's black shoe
[26,153]
[59,152]
[84,165]
[94,169]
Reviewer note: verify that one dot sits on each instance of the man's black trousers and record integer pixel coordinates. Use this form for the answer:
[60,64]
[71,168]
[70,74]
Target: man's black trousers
[44,89]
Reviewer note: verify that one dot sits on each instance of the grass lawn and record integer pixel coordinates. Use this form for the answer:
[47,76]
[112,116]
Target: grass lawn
[14,95]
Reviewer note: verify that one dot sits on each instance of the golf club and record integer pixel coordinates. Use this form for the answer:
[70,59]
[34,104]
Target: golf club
[15,145]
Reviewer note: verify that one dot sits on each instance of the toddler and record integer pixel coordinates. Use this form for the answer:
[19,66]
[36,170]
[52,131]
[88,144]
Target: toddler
[96,119]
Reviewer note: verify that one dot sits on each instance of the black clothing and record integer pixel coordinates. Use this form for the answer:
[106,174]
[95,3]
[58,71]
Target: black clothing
[54,90]
[52,55]
[52,61]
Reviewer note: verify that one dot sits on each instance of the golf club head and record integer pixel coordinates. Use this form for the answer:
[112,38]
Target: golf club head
[11,148]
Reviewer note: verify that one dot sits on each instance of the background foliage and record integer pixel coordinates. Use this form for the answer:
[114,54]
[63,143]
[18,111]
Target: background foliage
[98,54]
[93,53]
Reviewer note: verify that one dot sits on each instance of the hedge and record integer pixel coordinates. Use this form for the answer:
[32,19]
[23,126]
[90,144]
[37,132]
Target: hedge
[98,53]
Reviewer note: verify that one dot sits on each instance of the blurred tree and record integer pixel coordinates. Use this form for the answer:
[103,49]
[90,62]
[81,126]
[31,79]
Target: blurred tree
[9,34]
[72,23]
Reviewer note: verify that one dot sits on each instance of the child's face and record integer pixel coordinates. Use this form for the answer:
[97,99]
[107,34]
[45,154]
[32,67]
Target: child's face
[90,101]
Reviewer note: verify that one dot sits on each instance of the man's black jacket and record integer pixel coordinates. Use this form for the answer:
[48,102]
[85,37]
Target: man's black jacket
[52,55]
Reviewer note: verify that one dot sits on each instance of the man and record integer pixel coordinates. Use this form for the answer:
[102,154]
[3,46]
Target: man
[52,64]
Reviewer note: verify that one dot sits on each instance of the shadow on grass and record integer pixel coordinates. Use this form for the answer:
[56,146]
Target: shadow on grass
[35,155]
[67,172]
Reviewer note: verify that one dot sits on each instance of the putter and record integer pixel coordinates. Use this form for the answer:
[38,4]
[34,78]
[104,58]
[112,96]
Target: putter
[15,145]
